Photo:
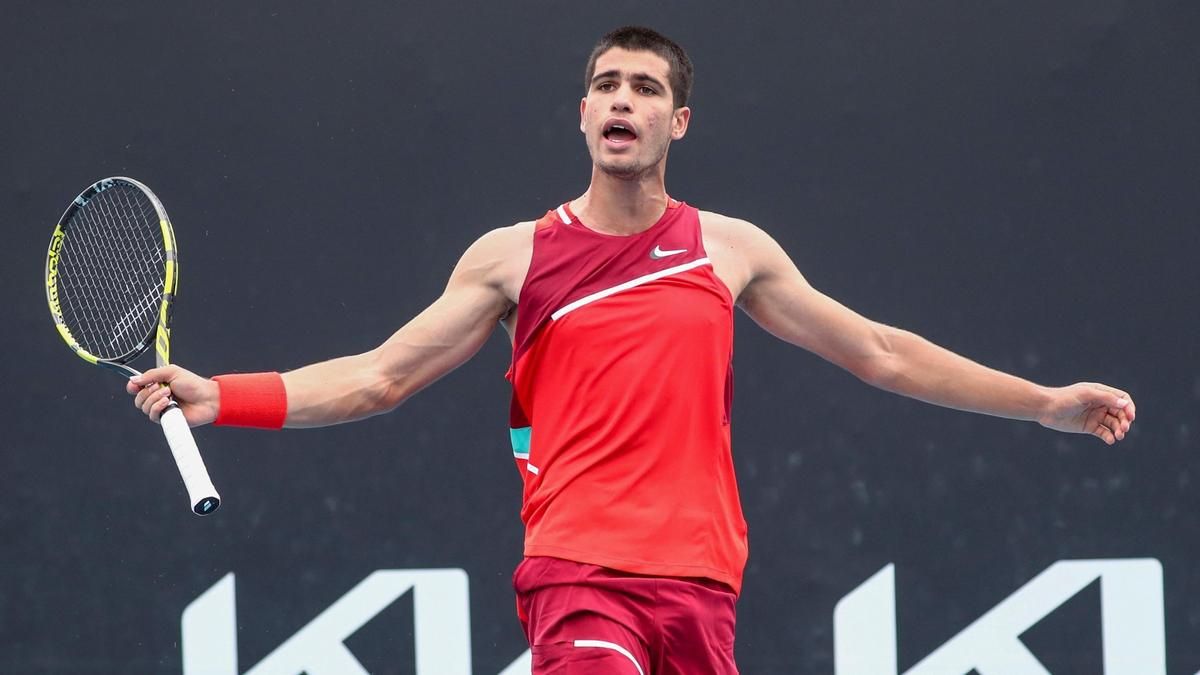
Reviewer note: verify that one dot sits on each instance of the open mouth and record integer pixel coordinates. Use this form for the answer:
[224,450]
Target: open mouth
[619,132]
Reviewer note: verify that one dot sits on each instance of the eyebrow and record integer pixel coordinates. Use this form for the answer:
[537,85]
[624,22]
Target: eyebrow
[636,77]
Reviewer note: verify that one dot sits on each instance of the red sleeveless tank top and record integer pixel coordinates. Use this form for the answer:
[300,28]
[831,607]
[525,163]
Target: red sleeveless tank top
[622,384]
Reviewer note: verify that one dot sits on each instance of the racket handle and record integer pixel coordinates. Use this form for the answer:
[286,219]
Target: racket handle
[201,493]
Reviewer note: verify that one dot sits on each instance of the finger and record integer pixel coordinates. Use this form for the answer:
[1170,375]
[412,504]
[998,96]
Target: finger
[1122,420]
[147,401]
[162,375]
[1114,427]
[143,393]
[1110,395]
[1125,413]
[157,395]
[1112,390]
[159,407]
[1124,400]
[1104,434]
[1093,395]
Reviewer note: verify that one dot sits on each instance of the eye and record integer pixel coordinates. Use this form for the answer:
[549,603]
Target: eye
[647,90]
[605,86]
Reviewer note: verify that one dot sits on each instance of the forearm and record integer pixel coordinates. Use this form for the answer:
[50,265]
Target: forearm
[354,387]
[339,390]
[917,368]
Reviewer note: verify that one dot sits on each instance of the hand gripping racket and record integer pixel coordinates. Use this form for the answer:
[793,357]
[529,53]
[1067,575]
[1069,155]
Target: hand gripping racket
[111,274]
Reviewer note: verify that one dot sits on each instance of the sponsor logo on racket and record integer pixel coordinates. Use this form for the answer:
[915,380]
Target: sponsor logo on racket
[56,242]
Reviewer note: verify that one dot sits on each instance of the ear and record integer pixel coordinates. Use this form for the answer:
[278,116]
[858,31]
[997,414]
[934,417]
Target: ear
[679,122]
[582,114]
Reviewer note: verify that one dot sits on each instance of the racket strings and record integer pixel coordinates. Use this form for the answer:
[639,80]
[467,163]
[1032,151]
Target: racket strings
[111,272]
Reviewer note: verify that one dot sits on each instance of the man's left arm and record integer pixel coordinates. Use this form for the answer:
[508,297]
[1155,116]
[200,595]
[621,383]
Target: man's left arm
[779,299]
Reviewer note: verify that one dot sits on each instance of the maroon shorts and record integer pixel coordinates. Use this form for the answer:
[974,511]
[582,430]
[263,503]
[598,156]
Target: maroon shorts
[586,619]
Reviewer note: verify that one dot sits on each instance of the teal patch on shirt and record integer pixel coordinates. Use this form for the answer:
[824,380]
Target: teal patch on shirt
[520,441]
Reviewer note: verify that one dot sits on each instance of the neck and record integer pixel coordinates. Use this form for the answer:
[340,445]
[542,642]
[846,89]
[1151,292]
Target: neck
[623,206]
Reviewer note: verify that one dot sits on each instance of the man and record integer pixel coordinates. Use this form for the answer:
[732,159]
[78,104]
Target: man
[619,305]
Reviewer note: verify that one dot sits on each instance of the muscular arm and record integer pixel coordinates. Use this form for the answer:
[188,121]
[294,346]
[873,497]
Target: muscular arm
[779,299]
[436,341]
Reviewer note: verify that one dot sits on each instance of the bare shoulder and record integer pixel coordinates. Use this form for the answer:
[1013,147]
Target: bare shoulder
[723,225]
[500,258]
[504,240]
[732,231]
[735,247]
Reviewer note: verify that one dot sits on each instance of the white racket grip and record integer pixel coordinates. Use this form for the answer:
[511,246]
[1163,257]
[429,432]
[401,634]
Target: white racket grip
[203,496]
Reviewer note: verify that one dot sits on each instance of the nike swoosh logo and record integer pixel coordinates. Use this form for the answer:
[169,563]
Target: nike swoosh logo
[659,254]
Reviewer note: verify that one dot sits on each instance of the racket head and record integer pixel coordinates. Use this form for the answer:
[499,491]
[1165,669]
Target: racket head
[111,274]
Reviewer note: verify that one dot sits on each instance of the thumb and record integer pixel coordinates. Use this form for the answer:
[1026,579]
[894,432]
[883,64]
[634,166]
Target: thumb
[1111,398]
[162,375]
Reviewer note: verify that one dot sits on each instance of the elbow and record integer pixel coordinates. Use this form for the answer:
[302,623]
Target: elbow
[384,388]
[880,365]
[879,371]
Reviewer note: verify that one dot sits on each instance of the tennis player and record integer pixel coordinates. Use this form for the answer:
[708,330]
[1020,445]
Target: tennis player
[619,304]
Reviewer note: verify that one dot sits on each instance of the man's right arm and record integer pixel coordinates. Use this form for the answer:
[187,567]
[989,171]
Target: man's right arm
[439,339]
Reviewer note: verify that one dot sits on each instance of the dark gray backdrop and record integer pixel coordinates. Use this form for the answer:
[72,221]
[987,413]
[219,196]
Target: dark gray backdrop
[1015,180]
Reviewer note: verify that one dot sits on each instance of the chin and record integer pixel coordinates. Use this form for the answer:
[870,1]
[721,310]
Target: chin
[623,170]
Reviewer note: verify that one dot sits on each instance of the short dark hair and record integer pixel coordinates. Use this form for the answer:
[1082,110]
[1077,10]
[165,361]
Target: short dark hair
[639,39]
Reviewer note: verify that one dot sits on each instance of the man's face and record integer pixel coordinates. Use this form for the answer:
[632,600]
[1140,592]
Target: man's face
[629,117]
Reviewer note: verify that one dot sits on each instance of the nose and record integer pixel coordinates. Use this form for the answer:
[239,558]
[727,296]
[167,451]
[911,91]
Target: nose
[621,101]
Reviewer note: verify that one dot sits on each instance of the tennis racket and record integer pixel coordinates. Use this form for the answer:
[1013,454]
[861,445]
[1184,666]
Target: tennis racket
[111,274]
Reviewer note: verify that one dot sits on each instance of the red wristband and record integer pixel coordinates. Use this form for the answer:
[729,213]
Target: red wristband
[252,400]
